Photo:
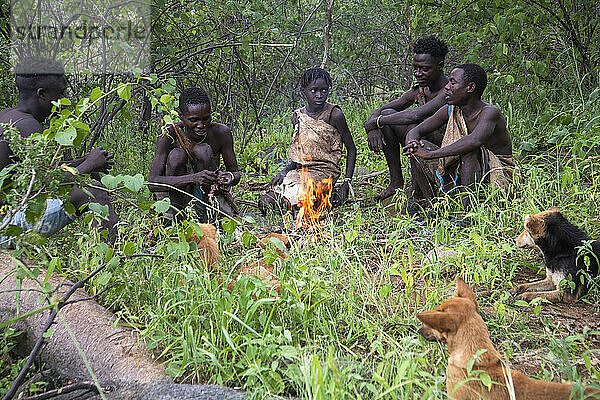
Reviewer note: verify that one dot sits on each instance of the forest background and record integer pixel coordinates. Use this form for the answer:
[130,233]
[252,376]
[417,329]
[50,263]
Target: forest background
[542,58]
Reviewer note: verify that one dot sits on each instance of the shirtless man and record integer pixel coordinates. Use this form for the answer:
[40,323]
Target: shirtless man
[388,125]
[476,143]
[41,81]
[188,155]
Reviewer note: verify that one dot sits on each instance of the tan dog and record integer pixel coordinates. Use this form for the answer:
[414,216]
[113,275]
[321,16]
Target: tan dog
[559,242]
[457,323]
[263,270]
[207,245]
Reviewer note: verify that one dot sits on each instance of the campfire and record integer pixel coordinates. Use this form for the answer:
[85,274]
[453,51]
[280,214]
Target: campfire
[314,201]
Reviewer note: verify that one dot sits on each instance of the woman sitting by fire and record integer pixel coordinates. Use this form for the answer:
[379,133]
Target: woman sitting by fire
[320,132]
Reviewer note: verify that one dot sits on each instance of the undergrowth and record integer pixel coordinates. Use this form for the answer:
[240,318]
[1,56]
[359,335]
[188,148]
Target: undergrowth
[344,325]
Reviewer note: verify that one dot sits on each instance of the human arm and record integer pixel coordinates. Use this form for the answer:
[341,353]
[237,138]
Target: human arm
[488,120]
[279,177]
[231,176]
[401,103]
[338,120]
[430,124]
[375,138]
[158,170]
[408,117]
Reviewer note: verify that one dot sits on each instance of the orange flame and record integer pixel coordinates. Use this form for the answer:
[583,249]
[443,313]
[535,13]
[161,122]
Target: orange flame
[314,201]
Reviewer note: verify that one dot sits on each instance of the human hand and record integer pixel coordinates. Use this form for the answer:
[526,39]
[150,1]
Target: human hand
[342,196]
[278,179]
[225,178]
[375,140]
[418,149]
[411,147]
[205,177]
[98,160]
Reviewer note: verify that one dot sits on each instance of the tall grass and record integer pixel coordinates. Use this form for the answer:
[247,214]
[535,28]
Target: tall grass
[344,325]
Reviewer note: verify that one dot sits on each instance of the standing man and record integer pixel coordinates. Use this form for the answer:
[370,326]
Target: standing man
[476,143]
[188,155]
[41,81]
[388,125]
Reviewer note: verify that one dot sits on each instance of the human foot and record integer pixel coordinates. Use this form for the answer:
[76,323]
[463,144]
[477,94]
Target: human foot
[387,192]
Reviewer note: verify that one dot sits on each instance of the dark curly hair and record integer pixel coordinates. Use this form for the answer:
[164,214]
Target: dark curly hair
[192,96]
[474,73]
[431,45]
[313,74]
[33,73]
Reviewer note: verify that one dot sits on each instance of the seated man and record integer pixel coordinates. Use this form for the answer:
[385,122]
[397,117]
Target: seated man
[41,81]
[388,125]
[320,133]
[187,158]
[476,144]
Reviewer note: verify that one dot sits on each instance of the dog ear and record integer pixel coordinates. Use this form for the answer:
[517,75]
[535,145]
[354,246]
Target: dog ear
[535,225]
[463,290]
[439,320]
[554,209]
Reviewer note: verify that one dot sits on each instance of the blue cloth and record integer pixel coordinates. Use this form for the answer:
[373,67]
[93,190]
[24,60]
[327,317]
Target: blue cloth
[54,219]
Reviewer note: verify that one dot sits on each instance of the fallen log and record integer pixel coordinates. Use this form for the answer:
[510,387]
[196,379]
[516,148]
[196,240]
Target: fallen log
[124,368]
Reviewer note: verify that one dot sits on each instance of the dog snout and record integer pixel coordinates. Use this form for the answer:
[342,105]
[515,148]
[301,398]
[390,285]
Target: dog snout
[428,335]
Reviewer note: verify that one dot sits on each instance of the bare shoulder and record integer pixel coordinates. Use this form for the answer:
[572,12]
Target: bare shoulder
[337,115]
[25,123]
[166,137]
[29,126]
[491,110]
[221,129]
[221,135]
[410,94]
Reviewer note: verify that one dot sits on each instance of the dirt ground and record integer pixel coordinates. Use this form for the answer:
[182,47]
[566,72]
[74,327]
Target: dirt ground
[566,319]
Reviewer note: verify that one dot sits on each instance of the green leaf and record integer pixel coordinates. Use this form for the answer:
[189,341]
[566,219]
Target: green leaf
[174,370]
[114,262]
[197,229]
[486,380]
[521,303]
[161,206]
[96,94]
[277,243]
[111,182]
[134,183]
[129,248]
[351,236]
[99,209]
[66,137]
[275,382]
[249,219]
[124,92]
[13,230]
[229,225]
[104,278]
[166,98]
[48,333]
[248,239]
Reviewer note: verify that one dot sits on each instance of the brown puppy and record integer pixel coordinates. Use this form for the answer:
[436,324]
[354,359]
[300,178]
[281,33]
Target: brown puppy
[263,270]
[457,323]
[559,242]
[207,245]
